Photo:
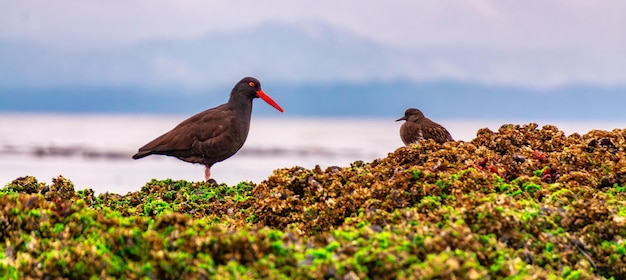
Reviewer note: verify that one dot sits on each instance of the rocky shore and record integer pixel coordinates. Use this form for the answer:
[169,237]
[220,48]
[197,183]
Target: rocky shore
[522,201]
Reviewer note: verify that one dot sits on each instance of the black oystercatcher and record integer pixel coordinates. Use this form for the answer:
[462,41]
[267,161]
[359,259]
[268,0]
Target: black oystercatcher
[213,135]
[417,127]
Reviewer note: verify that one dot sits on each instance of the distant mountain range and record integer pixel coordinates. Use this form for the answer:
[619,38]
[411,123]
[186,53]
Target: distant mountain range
[273,51]
[302,53]
[310,69]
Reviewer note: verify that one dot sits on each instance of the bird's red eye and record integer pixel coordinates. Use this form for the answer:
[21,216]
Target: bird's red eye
[251,84]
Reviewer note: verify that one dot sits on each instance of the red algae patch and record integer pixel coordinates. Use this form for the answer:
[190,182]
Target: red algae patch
[520,201]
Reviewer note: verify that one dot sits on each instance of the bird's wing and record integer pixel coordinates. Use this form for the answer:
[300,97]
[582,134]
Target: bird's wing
[183,139]
[221,142]
[433,130]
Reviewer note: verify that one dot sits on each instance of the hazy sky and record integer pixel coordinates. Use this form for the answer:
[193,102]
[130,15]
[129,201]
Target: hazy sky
[582,32]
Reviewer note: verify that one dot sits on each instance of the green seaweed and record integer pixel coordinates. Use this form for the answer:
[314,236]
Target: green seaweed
[517,203]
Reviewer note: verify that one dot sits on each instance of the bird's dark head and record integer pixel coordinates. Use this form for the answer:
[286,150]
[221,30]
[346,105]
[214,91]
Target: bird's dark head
[251,88]
[412,115]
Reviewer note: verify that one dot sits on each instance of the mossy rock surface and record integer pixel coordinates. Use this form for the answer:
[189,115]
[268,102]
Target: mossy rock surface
[523,201]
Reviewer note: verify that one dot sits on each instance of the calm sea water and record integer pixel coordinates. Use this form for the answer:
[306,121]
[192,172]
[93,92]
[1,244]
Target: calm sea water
[94,150]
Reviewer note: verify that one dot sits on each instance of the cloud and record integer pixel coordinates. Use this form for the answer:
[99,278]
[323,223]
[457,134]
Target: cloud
[497,24]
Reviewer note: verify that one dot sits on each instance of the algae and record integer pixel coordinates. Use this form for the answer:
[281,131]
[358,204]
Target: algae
[520,202]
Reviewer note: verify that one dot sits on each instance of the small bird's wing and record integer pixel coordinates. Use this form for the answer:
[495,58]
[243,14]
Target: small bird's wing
[435,131]
[195,138]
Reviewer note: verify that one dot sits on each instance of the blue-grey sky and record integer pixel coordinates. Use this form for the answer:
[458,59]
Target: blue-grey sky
[537,42]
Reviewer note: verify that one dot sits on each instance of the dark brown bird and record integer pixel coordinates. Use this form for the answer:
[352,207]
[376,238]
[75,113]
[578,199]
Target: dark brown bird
[213,135]
[417,127]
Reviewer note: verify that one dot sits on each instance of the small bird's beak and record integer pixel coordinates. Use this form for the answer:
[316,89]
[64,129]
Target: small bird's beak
[401,119]
[267,99]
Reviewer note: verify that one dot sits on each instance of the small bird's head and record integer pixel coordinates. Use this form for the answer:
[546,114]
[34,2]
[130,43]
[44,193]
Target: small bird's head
[251,87]
[412,115]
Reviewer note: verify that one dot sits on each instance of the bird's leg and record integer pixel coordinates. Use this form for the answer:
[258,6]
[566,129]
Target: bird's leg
[207,173]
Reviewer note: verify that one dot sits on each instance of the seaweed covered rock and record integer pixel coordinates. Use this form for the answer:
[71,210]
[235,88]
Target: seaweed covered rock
[520,201]
[27,184]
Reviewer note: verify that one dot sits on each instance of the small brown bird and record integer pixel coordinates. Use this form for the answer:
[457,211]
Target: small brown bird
[417,127]
[213,135]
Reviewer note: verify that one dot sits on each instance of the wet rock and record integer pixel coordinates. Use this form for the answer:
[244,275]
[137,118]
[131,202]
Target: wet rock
[27,184]
[521,201]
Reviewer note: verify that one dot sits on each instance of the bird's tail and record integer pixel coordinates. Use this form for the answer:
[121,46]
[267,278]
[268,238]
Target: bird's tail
[142,154]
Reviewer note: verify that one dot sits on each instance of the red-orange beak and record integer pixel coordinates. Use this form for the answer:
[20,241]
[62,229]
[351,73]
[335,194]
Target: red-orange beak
[267,99]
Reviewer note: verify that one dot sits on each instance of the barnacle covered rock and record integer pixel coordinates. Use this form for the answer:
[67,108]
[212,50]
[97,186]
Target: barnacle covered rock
[519,201]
